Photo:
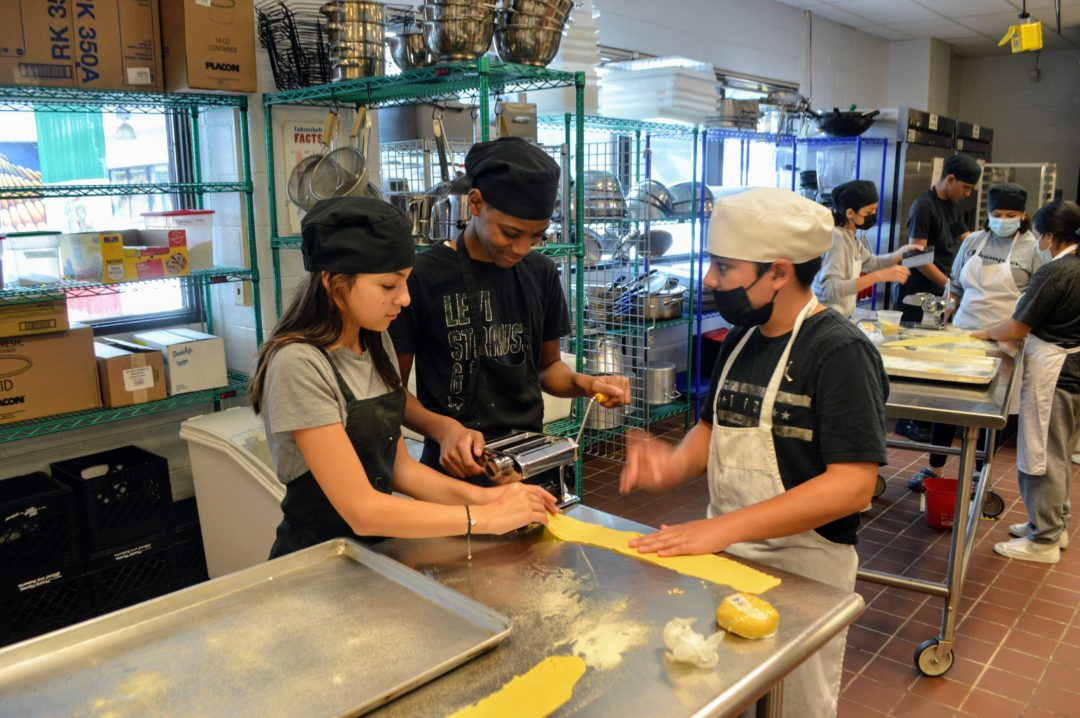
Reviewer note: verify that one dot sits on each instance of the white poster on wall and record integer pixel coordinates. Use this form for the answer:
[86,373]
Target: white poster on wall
[300,139]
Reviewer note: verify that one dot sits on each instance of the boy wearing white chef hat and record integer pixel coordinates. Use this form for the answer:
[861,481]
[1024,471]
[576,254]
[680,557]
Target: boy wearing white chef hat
[792,429]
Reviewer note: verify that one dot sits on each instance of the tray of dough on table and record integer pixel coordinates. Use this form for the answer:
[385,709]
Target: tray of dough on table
[946,355]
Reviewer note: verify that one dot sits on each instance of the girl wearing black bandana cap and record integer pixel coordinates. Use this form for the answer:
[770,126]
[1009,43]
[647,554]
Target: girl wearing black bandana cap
[329,391]
[849,266]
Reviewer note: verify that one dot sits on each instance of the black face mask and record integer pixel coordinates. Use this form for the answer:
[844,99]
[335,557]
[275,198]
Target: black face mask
[868,222]
[735,308]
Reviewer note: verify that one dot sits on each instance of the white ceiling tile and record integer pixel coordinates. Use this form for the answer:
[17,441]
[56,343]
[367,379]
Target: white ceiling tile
[1042,4]
[942,29]
[803,4]
[1070,17]
[887,12]
[989,25]
[889,33]
[959,8]
[831,12]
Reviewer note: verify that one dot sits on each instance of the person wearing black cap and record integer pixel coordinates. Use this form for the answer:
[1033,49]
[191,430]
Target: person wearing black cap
[488,315]
[332,401]
[934,221]
[849,266]
[990,272]
[1048,315]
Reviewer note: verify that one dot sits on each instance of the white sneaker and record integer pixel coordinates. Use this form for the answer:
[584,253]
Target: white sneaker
[1020,530]
[1025,549]
[1076,458]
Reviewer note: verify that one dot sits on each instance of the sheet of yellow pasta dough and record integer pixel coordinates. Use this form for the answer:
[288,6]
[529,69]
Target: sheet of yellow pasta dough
[942,340]
[709,567]
[540,692]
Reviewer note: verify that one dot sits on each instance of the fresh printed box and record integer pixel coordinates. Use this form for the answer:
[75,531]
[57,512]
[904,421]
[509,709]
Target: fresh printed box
[126,256]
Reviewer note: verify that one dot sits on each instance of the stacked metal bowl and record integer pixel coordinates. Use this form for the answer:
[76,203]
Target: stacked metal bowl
[603,196]
[355,32]
[649,200]
[686,199]
[409,50]
[528,32]
[457,31]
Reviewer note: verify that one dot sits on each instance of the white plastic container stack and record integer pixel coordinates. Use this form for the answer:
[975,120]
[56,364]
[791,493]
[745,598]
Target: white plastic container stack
[237,492]
[662,88]
[199,227]
[577,53]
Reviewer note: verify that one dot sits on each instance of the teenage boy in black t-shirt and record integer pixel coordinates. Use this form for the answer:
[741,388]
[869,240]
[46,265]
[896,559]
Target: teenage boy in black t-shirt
[934,221]
[794,423]
[487,314]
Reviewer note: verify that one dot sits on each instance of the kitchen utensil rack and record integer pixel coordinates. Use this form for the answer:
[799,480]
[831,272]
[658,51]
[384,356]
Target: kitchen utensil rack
[603,290]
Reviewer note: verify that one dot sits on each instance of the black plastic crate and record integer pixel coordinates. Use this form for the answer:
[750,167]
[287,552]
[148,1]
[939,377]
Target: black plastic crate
[132,499]
[38,526]
[188,544]
[134,572]
[42,602]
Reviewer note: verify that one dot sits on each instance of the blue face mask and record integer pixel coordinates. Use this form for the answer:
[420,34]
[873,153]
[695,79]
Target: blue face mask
[1004,226]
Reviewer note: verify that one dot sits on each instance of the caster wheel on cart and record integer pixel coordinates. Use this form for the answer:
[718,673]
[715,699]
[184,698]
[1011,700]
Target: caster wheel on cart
[879,487]
[930,661]
[993,505]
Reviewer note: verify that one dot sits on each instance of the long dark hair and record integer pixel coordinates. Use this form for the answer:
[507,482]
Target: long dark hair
[314,318]
[1060,218]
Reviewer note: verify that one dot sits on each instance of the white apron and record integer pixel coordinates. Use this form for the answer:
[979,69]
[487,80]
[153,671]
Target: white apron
[990,291]
[742,471]
[1042,366]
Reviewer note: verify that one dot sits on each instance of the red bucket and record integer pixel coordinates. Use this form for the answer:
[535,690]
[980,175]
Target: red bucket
[940,502]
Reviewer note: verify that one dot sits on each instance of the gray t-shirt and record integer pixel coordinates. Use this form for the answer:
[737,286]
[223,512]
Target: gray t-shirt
[834,284]
[1024,261]
[301,392]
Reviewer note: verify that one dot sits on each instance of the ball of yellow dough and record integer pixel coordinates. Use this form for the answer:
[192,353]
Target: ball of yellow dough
[747,615]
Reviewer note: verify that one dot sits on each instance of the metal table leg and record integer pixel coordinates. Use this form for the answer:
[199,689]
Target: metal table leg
[771,704]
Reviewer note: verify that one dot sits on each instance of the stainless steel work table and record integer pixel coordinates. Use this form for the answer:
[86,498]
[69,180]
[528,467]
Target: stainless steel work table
[567,598]
[972,409]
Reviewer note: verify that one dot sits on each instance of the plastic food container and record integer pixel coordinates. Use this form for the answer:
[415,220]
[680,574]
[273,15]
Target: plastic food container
[889,320]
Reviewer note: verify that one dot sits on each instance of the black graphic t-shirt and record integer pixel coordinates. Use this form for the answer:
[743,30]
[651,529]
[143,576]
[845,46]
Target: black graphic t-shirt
[830,408]
[435,326]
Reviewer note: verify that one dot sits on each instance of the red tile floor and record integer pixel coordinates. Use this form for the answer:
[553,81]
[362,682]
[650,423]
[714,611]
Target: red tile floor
[1017,649]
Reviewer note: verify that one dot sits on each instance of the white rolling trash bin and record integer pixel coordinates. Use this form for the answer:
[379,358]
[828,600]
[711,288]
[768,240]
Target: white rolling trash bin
[237,492]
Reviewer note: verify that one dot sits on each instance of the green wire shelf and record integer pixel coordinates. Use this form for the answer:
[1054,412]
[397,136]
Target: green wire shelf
[115,190]
[441,82]
[596,123]
[592,437]
[550,249]
[567,426]
[67,99]
[94,417]
[75,289]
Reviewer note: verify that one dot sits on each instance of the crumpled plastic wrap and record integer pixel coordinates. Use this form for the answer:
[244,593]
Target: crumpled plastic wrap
[686,645]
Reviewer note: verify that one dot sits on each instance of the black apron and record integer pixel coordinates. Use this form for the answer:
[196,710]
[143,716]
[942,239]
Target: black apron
[500,397]
[373,427]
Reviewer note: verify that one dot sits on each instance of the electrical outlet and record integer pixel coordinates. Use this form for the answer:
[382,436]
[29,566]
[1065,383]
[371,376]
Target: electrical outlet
[242,294]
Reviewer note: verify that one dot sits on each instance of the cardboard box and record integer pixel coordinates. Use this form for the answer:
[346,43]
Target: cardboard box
[193,361]
[209,44]
[129,373]
[48,374]
[126,256]
[198,224]
[33,318]
[118,45]
[37,43]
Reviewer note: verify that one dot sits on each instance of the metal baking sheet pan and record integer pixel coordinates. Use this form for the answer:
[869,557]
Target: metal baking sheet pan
[919,363]
[333,630]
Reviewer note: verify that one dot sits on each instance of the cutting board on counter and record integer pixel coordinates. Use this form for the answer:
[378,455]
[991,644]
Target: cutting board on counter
[933,364]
